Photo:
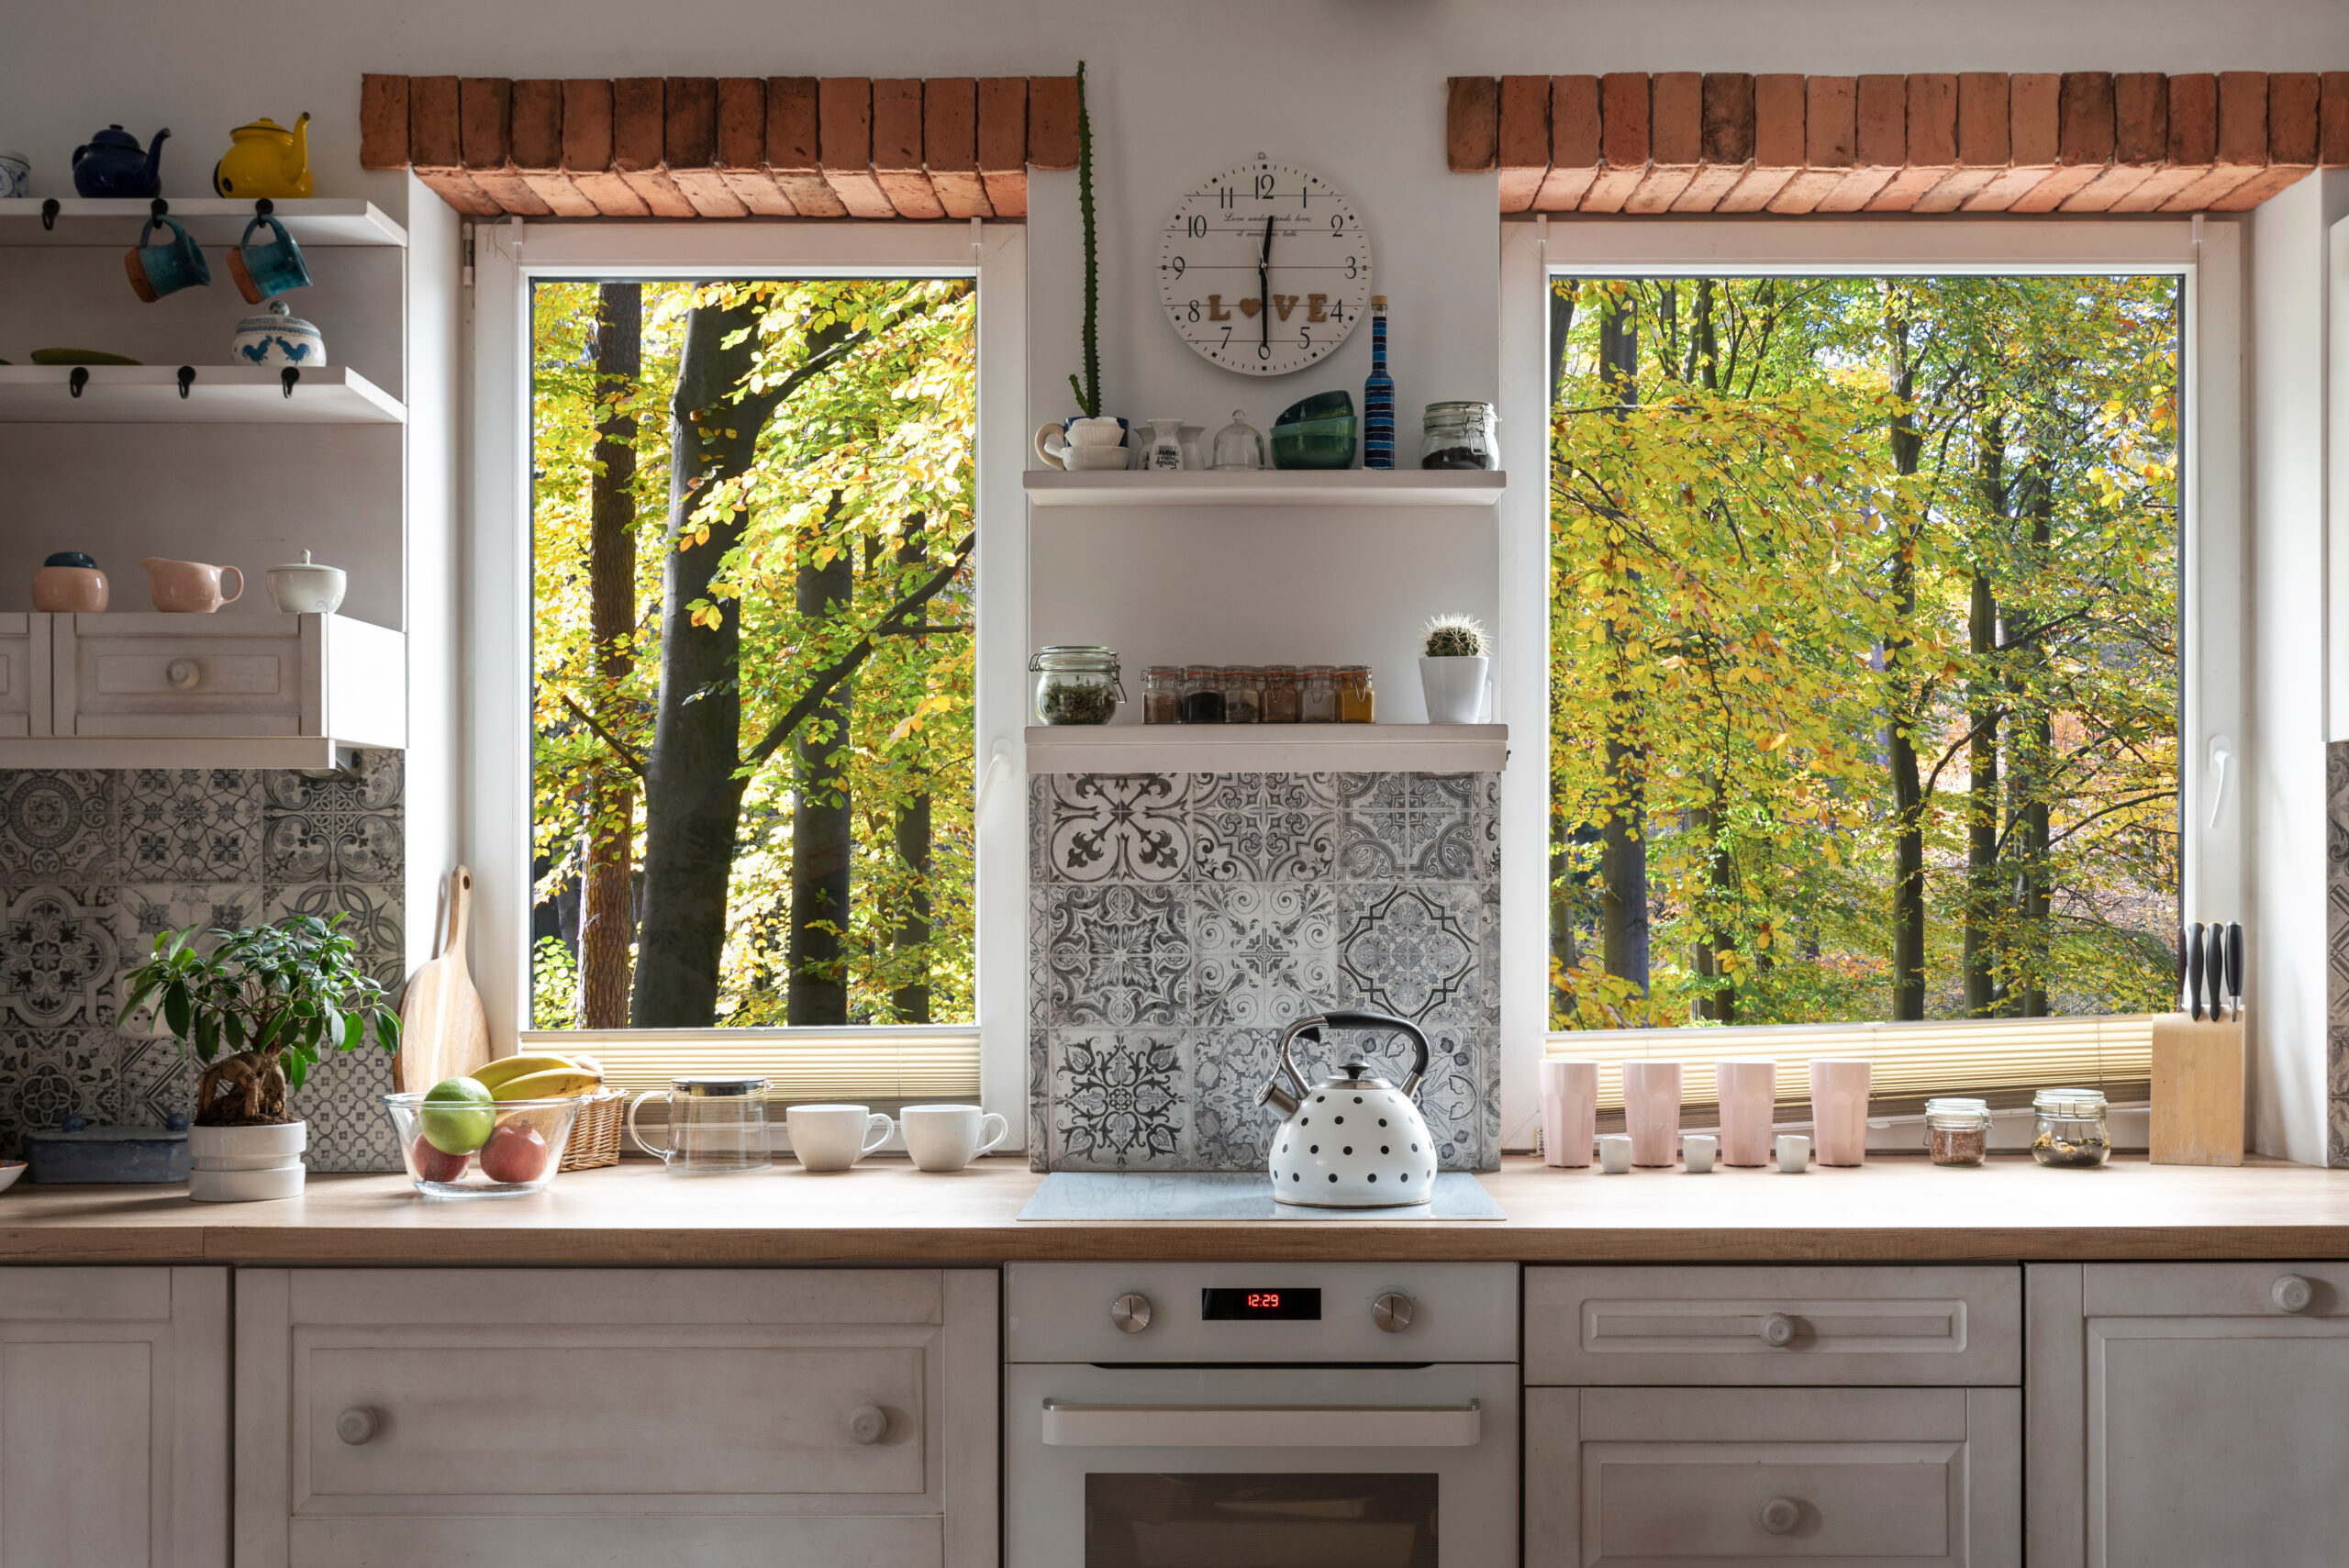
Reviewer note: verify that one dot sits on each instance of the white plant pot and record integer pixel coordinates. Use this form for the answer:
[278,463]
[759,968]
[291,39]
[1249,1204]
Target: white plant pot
[245,1165]
[1454,688]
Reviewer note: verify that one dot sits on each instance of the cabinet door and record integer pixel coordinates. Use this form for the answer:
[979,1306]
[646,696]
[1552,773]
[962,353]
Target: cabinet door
[2188,1413]
[1707,1478]
[24,674]
[114,1417]
[570,1418]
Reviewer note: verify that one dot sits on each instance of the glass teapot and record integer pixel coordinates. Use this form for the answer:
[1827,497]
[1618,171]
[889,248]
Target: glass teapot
[716,1125]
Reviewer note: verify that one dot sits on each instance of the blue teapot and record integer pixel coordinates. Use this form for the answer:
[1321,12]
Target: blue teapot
[112,166]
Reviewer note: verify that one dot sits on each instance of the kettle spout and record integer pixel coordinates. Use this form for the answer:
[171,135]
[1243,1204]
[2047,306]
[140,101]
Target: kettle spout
[301,157]
[1280,1099]
[155,154]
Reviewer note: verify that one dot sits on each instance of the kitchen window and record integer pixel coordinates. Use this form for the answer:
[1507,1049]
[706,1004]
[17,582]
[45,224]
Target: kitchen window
[741,815]
[1878,559]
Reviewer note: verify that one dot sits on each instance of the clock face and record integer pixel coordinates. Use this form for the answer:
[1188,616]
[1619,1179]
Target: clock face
[1264,268]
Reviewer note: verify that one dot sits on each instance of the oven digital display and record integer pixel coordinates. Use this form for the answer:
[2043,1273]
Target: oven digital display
[1222,1304]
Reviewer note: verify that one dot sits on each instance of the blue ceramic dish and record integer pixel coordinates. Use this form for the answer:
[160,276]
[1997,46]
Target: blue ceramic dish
[1316,443]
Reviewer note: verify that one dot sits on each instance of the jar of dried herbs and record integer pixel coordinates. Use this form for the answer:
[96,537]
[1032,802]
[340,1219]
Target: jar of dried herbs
[1317,695]
[2069,1128]
[1244,696]
[1161,694]
[1957,1132]
[1202,694]
[1076,683]
[1357,699]
[1280,693]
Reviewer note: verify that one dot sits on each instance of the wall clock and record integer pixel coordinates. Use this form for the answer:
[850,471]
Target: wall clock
[1264,268]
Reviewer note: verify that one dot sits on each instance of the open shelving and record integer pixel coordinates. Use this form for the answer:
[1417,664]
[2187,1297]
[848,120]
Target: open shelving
[220,395]
[1267,487]
[1267,748]
[213,220]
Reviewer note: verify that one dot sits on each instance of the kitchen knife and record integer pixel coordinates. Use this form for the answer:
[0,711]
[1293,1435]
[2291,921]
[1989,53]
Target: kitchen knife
[2178,992]
[2194,962]
[2234,968]
[2218,967]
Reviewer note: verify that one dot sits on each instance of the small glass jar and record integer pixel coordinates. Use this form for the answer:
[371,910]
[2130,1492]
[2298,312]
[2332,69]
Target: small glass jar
[1357,698]
[1238,446]
[2069,1128]
[1459,435]
[1244,696]
[1957,1132]
[1280,693]
[1076,683]
[1161,694]
[1202,694]
[1317,695]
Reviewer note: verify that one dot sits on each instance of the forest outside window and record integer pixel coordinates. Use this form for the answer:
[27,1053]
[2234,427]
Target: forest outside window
[1865,661]
[753,600]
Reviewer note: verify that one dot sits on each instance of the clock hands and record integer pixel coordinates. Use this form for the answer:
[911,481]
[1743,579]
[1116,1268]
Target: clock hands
[1265,288]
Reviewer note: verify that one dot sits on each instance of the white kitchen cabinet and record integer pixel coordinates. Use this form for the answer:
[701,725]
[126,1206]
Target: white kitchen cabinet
[2188,1413]
[1705,1478]
[114,1417]
[24,676]
[578,1418]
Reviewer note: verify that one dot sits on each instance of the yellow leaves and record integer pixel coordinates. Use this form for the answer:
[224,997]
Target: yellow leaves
[1775,741]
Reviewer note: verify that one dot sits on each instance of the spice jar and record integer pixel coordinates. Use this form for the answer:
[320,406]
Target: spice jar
[1357,701]
[1161,694]
[1459,435]
[1317,695]
[2069,1128]
[1280,693]
[1957,1132]
[1076,683]
[1243,699]
[1202,694]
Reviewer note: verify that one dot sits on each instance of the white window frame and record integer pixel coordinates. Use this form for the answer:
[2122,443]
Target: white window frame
[2207,254]
[497,726]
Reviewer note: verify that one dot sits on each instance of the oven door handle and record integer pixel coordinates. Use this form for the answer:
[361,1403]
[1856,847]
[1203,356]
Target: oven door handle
[1262,1426]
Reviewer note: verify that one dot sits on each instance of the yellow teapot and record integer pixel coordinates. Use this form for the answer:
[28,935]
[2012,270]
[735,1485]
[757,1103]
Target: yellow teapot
[265,160]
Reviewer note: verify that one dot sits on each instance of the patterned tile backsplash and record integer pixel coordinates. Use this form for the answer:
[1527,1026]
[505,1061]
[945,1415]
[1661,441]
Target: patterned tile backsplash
[93,864]
[1179,923]
[2336,952]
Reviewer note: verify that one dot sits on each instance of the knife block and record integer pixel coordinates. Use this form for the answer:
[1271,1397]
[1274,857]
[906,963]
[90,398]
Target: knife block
[2197,1096]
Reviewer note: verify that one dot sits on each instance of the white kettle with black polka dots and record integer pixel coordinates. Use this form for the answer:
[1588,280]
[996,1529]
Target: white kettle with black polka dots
[1350,1141]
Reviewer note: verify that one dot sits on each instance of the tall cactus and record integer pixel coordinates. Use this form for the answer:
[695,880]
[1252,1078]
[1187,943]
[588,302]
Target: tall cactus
[1089,391]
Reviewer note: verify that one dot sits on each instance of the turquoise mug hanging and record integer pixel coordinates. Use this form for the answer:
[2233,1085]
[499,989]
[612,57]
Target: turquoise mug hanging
[157,269]
[265,270]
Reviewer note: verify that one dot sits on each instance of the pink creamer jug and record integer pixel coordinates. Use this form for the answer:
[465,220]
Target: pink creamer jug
[190,587]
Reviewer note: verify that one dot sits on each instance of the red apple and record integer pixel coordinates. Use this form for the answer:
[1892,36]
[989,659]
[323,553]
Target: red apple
[433,1164]
[514,1152]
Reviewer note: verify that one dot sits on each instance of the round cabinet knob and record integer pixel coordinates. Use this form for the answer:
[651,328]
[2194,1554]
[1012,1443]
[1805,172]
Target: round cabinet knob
[1780,1515]
[1392,1312]
[867,1424]
[183,673]
[1777,1330]
[1131,1313]
[356,1425]
[2290,1293]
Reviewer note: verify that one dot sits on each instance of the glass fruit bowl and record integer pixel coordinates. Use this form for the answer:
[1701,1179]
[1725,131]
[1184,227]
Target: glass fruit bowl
[500,1150]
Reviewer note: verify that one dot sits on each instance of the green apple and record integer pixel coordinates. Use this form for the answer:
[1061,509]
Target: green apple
[459,1115]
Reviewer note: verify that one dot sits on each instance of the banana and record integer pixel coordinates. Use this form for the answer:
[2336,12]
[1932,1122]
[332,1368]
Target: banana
[505,1069]
[555,1082]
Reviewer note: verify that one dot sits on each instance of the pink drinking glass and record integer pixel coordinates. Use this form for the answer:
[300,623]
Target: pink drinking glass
[1749,1095]
[1569,1111]
[1839,1108]
[1651,1110]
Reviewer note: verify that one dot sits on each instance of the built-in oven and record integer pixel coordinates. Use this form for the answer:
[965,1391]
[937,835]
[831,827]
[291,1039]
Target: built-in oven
[1260,1415]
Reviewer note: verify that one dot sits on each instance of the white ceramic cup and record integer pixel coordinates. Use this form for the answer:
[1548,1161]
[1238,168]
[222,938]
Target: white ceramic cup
[1615,1153]
[304,587]
[947,1137]
[1696,1151]
[1569,1112]
[1749,1093]
[1839,1108]
[1652,1109]
[1794,1153]
[833,1138]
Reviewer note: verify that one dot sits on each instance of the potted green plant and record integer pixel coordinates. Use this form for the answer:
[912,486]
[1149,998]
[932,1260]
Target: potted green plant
[1087,438]
[258,1011]
[1455,656]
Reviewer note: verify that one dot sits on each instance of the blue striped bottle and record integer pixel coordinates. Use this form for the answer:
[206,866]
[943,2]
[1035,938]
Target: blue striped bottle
[1378,394]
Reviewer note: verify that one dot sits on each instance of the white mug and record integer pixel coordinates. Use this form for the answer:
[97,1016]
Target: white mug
[833,1138]
[1794,1153]
[1615,1153]
[947,1137]
[1697,1151]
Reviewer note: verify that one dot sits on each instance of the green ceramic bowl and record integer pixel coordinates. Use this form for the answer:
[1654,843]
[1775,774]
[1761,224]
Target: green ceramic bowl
[1315,443]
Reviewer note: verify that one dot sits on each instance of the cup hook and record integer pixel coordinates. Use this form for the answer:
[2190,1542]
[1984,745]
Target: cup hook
[288,377]
[187,379]
[78,380]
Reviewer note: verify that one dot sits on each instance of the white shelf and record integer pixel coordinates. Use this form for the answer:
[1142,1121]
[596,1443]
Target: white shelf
[222,395]
[175,751]
[1267,748]
[213,220]
[1268,487]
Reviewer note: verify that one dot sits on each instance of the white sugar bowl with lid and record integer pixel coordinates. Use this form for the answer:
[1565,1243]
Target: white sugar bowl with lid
[305,589]
[1351,1141]
[277,337]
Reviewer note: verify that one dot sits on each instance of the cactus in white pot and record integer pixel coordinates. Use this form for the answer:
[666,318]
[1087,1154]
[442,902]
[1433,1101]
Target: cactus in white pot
[1454,658]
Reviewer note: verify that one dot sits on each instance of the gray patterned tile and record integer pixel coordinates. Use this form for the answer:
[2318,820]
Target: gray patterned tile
[2336,878]
[46,1076]
[190,825]
[1264,827]
[1433,836]
[1040,1099]
[59,957]
[156,1078]
[1120,1100]
[144,910]
[1412,949]
[343,1103]
[1230,1130]
[1118,828]
[57,825]
[1267,951]
[336,830]
[371,914]
[1119,954]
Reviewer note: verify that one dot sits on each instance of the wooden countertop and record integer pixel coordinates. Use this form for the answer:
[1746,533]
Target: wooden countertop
[1893,1209]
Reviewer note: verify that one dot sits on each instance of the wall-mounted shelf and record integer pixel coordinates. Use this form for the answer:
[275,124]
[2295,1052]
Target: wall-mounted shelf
[1267,748]
[1268,487]
[213,220]
[220,395]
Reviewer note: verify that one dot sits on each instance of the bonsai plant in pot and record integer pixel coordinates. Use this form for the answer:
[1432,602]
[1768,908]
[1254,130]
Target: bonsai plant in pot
[1455,656]
[258,1011]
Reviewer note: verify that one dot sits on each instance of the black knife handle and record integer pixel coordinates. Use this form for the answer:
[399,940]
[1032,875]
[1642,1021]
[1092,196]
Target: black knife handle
[2234,967]
[2197,962]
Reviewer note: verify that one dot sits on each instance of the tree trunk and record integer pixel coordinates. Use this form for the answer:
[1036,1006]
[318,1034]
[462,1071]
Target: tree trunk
[909,999]
[2038,747]
[1901,716]
[1565,947]
[607,929]
[822,845]
[1982,751]
[1623,850]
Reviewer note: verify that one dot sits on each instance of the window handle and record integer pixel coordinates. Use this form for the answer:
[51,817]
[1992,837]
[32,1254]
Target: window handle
[998,764]
[2222,753]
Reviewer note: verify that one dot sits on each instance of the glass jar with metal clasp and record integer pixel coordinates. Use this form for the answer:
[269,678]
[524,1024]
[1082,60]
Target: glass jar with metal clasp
[2069,1128]
[1076,683]
[1459,435]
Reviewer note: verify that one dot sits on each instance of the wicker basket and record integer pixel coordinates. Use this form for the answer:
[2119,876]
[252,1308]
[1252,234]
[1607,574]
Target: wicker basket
[596,1136]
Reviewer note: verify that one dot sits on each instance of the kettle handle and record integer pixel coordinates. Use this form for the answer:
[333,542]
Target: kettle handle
[1352,1021]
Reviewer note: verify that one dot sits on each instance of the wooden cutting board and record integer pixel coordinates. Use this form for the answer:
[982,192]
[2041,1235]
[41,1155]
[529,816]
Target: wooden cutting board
[444,1030]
